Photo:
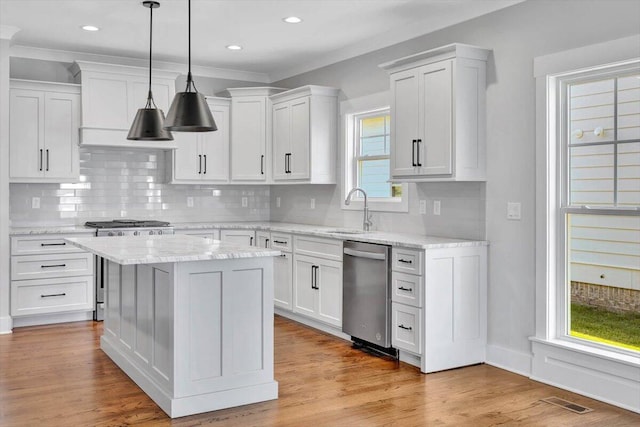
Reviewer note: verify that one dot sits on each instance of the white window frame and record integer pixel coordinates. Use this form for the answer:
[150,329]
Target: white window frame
[584,367]
[349,110]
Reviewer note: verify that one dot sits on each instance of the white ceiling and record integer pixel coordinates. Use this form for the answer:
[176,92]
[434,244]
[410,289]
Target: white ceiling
[332,30]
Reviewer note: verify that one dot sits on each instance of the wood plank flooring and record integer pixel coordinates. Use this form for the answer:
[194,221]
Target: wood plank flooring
[57,376]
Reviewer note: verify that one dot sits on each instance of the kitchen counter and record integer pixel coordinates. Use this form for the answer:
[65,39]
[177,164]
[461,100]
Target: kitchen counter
[126,250]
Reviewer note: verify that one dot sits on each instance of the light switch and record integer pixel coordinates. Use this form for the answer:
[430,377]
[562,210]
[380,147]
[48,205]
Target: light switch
[313,204]
[277,202]
[35,203]
[436,207]
[514,210]
[189,202]
[245,202]
[423,207]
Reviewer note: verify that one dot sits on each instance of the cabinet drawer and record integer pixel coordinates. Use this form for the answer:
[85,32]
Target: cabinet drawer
[281,242]
[318,247]
[204,233]
[407,260]
[51,295]
[45,244]
[407,288]
[405,328]
[48,266]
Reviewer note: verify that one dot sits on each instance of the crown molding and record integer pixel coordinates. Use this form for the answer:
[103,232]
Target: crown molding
[69,56]
[7,32]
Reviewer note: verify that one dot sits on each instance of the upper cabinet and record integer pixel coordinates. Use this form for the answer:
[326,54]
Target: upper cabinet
[438,116]
[111,97]
[304,135]
[43,131]
[203,157]
[251,133]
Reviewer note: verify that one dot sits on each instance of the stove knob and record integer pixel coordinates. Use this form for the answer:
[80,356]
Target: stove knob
[136,233]
[110,233]
[120,233]
[151,233]
[159,232]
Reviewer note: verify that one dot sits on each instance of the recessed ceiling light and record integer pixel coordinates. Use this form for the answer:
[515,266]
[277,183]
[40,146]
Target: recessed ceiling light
[292,20]
[234,47]
[90,28]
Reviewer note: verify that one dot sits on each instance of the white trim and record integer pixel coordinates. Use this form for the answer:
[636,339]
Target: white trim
[198,70]
[348,108]
[509,360]
[6,325]
[331,330]
[48,319]
[561,363]
[7,32]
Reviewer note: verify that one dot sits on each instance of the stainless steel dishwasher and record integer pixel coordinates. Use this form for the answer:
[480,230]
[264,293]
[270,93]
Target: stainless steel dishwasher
[366,303]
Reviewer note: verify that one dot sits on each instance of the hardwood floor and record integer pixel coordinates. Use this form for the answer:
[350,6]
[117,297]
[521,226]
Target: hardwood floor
[57,376]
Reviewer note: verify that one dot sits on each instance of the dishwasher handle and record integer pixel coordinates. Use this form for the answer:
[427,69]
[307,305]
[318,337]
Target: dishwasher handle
[364,254]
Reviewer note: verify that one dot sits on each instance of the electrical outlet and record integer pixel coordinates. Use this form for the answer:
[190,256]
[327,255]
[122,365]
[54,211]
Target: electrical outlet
[423,207]
[312,205]
[189,202]
[514,210]
[35,203]
[277,202]
[245,202]
[436,207]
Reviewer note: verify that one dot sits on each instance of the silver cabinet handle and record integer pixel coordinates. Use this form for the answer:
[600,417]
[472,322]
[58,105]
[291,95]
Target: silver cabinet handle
[363,254]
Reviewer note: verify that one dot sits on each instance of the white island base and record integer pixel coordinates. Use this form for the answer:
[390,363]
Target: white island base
[196,336]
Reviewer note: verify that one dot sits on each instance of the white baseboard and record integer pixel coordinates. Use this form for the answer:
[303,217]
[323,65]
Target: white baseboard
[616,382]
[509,360]
[6,325]
[48,319]
[312,323]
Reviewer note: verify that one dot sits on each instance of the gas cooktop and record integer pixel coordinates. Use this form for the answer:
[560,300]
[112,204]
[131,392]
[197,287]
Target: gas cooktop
[126,223]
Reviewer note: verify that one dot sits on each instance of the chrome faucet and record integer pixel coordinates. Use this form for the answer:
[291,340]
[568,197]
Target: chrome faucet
[366,221]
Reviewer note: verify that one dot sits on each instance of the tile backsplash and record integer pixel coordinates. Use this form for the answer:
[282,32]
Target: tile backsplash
[117,183]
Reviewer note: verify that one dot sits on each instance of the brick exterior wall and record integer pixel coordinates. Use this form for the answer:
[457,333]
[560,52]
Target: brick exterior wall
[608,297]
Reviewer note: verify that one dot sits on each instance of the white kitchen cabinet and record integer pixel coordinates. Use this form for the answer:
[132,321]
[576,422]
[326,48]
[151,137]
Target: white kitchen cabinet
[203,157]
[305,134]
[211,234]
[263,239]
[111,97]
[49,276]
[251,133]
[283,281]
[407,282]
[43,132]
[438,116]
[455,308]
[317,279]
[239,236]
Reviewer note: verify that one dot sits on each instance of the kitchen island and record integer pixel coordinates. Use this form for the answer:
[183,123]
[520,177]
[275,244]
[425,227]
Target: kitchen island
[189,320]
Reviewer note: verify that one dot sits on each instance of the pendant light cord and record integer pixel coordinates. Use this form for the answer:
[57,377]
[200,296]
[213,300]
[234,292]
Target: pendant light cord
[190,82]
[150,101]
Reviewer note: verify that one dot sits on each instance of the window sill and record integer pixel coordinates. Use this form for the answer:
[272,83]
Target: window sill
[612,356]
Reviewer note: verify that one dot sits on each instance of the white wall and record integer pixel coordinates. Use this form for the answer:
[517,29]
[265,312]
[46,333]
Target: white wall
[517,35]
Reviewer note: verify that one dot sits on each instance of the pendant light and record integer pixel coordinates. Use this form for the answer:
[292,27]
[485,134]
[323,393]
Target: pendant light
[189,111]
[147,125]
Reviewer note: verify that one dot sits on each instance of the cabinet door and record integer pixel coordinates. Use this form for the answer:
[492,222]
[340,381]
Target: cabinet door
[436,110]
[404,122]
[105,101]
[61,123]
[240,237]
[329,284]
[283,281]
[263,239]
[215,146]
[304,295]
[298,164]
[26,127]
[248,133]
[281,140]
[187,160]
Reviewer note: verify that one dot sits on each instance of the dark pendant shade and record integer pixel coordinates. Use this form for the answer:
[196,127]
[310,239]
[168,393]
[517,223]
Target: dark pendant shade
[189,112]
[148,126]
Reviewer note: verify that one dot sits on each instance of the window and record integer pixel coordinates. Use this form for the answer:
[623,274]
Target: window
[367,156]
[599,152]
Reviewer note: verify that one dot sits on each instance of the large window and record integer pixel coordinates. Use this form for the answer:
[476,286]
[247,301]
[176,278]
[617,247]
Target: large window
[599,216]
[367,154]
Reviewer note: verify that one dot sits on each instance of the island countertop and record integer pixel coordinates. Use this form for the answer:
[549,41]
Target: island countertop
[127,250]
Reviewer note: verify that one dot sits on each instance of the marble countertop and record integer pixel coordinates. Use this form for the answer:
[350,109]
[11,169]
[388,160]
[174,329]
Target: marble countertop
[127,250]
[407,240]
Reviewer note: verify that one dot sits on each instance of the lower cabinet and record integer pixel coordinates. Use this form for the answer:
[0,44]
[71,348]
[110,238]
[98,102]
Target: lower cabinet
[239,236]
[47,296]
[317,291]
[211,234]
[405,327]
[283,281]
